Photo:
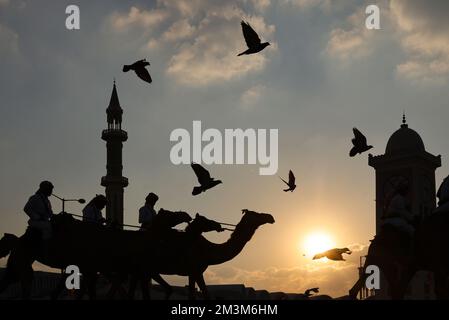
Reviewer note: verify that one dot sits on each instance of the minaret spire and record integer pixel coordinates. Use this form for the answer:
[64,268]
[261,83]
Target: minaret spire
[114,182]
[404,121]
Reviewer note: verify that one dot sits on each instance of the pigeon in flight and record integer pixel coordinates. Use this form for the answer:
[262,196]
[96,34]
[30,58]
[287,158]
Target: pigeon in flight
[333,254]
[308,293]
[291,182]
[359,143]
[204,178]
[139,68]
[252,40]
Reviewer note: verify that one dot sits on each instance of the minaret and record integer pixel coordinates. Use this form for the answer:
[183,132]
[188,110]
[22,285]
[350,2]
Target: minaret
[406,161]
[114,182]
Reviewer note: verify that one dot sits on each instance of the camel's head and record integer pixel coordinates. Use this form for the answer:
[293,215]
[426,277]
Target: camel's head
[62,217]
[201,224]
[6,244]
[256,218]
[172,218]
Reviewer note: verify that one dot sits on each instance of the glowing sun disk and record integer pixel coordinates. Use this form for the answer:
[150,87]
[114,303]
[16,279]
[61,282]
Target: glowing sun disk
[317,242]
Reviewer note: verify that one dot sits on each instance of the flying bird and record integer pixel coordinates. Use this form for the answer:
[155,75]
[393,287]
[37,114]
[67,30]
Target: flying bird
[204,178]
[139,67]
[252,40]
[359,142]
[308,293]
[333,254]
[291,182]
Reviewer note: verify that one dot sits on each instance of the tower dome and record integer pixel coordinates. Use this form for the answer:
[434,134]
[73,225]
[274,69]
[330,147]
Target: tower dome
[404,141]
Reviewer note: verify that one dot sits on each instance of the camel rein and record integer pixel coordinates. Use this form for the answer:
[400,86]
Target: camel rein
[138,227]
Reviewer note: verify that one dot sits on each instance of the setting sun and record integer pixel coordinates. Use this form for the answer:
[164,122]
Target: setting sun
[316,243]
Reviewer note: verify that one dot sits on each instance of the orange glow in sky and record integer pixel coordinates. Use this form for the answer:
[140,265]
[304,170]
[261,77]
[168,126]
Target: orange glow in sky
[317,242]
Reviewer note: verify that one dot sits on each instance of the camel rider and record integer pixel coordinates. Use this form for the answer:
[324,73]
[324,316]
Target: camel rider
[147,212]
[92,211]
[443,196]
[38,209]
[397,213]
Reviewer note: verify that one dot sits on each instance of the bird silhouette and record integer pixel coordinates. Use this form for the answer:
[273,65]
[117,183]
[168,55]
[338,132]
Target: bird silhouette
[291,182]
[204,178]
[308,293]
[359,142]
[333,254]
[139,68]
[252,40]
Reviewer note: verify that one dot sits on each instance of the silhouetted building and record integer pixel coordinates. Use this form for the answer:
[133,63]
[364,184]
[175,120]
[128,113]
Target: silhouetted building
[114,182]
[406,161]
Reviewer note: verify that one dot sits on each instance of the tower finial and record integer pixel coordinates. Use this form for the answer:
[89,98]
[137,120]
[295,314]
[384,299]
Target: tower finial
[404,120]
[114,81]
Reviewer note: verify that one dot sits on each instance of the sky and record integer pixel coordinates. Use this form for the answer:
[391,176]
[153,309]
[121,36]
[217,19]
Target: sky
[323,74]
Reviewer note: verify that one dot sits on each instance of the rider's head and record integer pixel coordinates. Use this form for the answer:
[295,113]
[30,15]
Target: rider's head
[99,201]
[46,188]
[151,199]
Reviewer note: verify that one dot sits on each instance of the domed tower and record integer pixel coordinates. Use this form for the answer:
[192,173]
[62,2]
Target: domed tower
[114,182]
[406,161]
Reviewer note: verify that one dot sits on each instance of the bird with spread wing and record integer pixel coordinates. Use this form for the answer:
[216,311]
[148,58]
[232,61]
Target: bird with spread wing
[359,143]
[291,182]
[139,67]
[252,40]
[204,178]
[333,254]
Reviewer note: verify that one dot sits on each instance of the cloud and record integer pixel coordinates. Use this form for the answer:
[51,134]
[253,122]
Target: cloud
[210,55]
[352,41]
[179,30]
[261,5]
[4,2]
[202,38]
[307,4]
[326,6]
[424,30]
[333,278]
[252,96]
[9,41]
[138,18]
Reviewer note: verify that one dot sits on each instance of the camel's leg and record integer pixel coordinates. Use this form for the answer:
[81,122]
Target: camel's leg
[116,287]
[191,288]
[80,293]
[6,281]
[203,287]
[441,285]
[122,291]
[92,286]
[132,286]
[26,281]
[167,287]
[60,287]
[145,287]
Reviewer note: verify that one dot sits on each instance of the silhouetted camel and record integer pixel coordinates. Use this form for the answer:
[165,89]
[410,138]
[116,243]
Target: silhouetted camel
[94,249]
[193,230]
[70,238]
[430,252]
[182,255]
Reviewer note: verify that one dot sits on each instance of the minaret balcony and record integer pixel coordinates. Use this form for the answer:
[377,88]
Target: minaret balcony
[114,134]
[111,180]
